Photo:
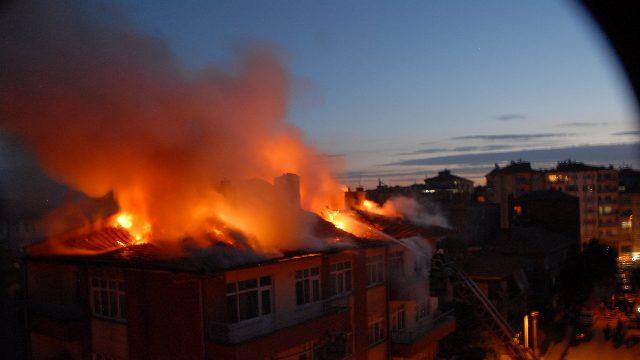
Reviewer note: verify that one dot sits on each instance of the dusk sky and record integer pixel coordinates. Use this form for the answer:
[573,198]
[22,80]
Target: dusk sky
[398,90]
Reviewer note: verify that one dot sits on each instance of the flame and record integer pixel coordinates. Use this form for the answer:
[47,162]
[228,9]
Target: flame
[349,222]
[158,136]
[124,221]
[139,228]
[388,209]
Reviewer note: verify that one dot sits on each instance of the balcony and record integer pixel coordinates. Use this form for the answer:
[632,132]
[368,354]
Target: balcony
[236,333]
[407,343]
[63,312]
[66,322]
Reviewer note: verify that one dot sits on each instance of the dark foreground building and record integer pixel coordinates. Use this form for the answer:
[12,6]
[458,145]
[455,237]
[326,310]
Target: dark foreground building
[366,300]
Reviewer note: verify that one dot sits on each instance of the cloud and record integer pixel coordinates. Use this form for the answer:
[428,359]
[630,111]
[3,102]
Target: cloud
[425,151]
[510,117]
[582,124]
[465,148]
[457,149]
[603,154]
[623,133]
[338,155]
[510,136]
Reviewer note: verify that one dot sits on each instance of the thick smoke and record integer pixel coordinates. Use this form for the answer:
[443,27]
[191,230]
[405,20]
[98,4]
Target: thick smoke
[426,213]
[107,109]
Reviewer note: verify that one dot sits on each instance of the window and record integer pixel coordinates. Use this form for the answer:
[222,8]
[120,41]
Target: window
[248,299]
[108,298]
[398,319]
[307,285]
[605,210]
[396,263]
[422,310]
[340,278]
[375,270]
[375,331]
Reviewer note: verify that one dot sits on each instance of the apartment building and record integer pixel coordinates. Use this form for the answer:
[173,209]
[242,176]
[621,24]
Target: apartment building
[508,182]
[445,182]
[365,300]
[596,187]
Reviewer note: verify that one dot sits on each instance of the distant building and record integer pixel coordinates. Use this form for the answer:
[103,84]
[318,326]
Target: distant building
[629,211]
[502,279]
[513,180]
[551,210]
[629,180]
[597,189]
[448,183]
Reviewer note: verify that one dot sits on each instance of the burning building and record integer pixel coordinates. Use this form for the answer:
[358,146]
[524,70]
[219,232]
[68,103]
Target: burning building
[205,257]
[354,297]
[103,292]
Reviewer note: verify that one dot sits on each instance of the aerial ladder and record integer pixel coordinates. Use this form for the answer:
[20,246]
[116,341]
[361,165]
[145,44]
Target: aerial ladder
[474,295]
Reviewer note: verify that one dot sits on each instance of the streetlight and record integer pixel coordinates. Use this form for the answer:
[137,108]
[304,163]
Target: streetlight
[534,316]
[526,331]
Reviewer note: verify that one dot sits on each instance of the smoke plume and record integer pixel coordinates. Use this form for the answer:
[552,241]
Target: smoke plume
[105,108]
[425,213]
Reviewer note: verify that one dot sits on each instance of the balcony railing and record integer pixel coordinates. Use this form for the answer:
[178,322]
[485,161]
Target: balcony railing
[67,312]
[232,333]
[411,336]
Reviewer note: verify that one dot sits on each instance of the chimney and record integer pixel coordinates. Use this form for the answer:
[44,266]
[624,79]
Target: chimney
[287,187]
[355,199]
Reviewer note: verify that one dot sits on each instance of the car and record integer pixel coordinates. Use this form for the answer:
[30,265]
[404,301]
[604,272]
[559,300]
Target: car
[585,318]
[581,334]
[625,288]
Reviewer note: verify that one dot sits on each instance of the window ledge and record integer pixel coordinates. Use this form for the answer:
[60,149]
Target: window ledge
[109,319]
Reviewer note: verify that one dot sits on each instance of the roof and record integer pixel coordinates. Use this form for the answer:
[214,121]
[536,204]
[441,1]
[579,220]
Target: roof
[400,228]
[115,247]
[514,167]
[575,166]
[546,195]
[445,175]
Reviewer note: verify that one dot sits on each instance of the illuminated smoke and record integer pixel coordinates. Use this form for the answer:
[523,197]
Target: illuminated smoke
[105,108]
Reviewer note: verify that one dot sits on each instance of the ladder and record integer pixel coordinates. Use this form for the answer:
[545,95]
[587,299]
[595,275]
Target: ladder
[497,323]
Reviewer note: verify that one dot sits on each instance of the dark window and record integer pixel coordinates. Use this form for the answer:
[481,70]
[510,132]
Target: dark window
[246,300]
[307,285]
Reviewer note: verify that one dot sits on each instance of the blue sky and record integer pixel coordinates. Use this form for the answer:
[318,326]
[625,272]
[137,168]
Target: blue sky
[386,84]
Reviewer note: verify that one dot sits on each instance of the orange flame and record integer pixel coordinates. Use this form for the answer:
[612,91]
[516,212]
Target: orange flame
[139,228]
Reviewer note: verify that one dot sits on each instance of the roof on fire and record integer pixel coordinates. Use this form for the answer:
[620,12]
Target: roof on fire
[115,247]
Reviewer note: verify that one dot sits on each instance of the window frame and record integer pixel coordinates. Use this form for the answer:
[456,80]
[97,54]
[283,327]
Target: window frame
[375,270]
[398,319]
[341,270]
[260,288]
[376,332]
[309,280]
[114,291]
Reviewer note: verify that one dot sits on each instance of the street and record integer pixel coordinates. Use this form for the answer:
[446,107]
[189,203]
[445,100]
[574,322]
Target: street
[599,348]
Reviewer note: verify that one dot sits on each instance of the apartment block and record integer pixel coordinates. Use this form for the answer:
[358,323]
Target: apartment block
[365,300]
[596,188]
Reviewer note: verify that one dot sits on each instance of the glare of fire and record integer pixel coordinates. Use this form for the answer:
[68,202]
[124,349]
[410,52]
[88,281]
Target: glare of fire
[337,219]
[139,229]
[124,221]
